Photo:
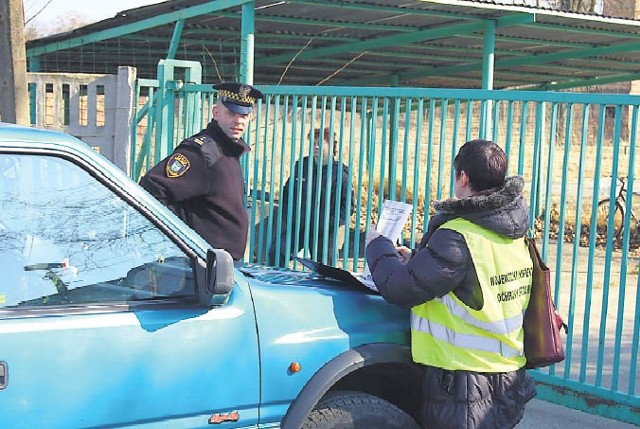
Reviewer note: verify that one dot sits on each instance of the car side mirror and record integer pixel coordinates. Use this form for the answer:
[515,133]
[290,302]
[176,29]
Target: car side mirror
[219,278]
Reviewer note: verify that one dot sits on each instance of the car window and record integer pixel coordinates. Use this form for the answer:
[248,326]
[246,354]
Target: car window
[65,238]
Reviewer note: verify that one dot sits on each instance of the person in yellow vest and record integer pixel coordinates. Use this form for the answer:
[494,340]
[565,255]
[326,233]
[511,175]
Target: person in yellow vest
[467,285]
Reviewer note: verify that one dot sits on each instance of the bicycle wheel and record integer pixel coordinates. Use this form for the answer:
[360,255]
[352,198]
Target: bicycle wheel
[603,219]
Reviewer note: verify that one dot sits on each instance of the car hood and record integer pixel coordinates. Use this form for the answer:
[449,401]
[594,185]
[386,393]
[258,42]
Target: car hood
[281,276]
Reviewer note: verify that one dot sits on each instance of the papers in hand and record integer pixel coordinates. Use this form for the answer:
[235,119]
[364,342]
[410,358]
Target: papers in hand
[392,219]
[390,223]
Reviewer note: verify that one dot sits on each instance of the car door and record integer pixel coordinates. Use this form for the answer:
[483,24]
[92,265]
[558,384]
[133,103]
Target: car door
[99,325]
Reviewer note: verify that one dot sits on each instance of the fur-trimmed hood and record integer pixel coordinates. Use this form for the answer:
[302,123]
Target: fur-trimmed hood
[502,210]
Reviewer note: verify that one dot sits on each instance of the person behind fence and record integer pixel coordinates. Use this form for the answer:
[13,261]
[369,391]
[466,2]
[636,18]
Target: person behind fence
[202,180]
[308,184]
[467,285]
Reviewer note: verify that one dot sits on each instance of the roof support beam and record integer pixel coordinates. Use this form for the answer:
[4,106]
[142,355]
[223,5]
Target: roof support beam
[488,54]
[400,39]
[585,82]
[531,60]
[511,62]
[167,18]
[587,31]
[326,23]
[247,42]
[488,57]
[387,9]
[175,39]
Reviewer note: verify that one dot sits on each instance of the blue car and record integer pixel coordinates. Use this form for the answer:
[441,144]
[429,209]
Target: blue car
[114,313]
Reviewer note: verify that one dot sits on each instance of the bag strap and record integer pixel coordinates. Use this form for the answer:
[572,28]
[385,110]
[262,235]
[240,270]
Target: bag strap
[534,252]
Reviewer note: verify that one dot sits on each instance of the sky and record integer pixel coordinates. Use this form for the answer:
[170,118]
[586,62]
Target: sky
[91,10]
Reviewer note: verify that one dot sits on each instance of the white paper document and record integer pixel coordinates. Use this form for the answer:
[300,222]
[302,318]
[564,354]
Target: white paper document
[390,224]
[393,218]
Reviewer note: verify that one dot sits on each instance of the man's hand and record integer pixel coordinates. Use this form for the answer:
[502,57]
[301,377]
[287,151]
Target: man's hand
[404,253]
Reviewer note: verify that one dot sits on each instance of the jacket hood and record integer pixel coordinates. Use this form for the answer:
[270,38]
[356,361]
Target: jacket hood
[503,210]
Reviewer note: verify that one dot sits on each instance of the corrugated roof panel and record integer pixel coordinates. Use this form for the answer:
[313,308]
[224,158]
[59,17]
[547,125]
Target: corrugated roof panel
[419,42]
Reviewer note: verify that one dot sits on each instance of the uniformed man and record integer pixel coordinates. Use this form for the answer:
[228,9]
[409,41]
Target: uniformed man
[202,181]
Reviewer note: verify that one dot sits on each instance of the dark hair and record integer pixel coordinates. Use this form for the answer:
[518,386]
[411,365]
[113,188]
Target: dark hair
[484,162]
[326,135]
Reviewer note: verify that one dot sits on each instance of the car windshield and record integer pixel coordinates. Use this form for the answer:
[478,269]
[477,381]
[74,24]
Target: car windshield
[65,238]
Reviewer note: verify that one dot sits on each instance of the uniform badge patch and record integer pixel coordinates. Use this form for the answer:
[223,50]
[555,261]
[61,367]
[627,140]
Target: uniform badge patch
[177,165]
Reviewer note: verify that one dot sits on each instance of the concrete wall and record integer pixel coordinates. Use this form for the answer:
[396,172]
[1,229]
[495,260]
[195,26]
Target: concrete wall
[96,108]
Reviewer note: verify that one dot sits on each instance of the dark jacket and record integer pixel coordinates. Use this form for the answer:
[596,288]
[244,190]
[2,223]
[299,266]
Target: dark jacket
[442,264]
[313,188]
[202,182]
[305,177]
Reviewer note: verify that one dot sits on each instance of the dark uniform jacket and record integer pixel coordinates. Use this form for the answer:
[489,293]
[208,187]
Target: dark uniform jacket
[305,179]
[202,182]
[441,264]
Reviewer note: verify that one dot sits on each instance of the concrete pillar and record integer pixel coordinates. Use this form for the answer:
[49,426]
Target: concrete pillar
[124,120]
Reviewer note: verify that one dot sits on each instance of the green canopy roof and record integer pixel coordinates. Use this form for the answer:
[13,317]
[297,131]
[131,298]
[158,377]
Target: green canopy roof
[423,43]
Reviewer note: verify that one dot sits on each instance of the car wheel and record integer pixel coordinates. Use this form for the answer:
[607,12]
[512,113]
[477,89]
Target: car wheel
[356,410]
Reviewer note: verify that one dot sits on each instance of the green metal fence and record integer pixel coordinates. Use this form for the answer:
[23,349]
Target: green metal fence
[398,143]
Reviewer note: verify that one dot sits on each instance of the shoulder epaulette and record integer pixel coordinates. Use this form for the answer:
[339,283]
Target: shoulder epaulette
[197,140]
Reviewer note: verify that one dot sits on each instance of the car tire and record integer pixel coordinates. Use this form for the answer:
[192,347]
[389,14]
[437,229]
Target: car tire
[345,409]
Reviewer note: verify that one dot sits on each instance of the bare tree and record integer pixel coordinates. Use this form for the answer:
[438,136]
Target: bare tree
[70,22]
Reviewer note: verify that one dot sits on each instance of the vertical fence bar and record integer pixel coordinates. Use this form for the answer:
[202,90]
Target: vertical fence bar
[405,149]
[593,234]
[508,131]
[636,322]
[351,201]
[561,229]
[576,238]
[454,145]
[534,194]
[297,222]
[523,137]
[371,161]
[416,175]
[622,285]
[427,185]
[604,312]
[385,154]
[338,237]
[444,106]
[363,160]
[553,129]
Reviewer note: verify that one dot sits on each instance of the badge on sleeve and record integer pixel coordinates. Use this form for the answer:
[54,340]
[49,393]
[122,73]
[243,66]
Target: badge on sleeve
[177,165]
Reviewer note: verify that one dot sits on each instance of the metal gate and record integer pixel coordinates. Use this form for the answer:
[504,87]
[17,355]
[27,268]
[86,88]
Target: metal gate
[398,143]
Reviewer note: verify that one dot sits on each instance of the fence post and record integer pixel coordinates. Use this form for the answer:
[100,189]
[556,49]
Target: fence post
[125,96]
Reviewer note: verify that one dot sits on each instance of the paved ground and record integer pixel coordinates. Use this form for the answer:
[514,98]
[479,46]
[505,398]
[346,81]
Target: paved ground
[544,415]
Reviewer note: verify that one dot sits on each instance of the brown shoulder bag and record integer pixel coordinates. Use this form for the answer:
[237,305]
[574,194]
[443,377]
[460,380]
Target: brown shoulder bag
[542,323]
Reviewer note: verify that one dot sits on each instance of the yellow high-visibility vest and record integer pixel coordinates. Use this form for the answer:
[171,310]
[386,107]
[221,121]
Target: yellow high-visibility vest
[446,333]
